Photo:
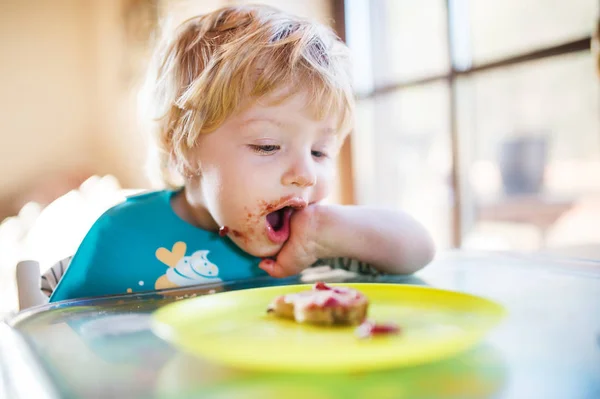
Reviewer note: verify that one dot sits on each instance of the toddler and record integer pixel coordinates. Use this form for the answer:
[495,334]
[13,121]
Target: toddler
[249,108]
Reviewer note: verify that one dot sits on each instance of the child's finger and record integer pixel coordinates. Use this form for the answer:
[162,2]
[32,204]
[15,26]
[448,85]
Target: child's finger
[272,268]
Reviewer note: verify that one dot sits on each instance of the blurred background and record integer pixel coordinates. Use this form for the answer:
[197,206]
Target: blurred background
[479,117]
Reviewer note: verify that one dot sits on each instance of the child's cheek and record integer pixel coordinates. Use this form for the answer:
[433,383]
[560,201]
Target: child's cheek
[321,192]
[248,230]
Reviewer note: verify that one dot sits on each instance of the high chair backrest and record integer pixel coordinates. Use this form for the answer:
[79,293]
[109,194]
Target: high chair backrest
[55,232]
[28,285]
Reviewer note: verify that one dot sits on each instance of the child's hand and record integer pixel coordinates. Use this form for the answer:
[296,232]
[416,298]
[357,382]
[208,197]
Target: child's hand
[300,251]
[389,240]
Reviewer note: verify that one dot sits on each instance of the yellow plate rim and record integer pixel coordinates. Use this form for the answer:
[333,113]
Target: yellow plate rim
[161,325]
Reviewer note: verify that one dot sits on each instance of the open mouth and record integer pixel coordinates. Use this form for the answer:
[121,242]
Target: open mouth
[278,215]
[278,224]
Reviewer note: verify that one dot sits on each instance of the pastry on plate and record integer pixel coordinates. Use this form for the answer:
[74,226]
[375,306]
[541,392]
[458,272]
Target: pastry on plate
[323,305]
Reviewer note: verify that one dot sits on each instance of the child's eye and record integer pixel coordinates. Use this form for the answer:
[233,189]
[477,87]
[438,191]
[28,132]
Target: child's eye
[318,154]
[265,149]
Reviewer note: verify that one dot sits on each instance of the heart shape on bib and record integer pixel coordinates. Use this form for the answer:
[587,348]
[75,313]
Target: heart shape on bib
[170,258]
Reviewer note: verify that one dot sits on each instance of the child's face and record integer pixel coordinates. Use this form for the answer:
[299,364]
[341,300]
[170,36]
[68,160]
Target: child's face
[262,165]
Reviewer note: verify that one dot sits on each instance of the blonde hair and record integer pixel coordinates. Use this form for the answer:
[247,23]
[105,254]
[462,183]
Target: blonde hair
[201,74]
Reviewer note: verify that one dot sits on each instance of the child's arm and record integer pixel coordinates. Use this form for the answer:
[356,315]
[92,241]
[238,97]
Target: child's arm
[391,241]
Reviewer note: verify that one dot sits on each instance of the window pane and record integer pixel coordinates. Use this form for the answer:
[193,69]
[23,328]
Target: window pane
[408,39]
[530,137]
[402,155]
[508,27]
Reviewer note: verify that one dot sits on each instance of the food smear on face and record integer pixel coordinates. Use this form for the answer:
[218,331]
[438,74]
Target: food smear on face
[266,207]
[266,223]
[278,214]
[223,231]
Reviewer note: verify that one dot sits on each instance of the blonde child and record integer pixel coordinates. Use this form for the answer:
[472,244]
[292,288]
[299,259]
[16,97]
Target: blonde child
[249,109]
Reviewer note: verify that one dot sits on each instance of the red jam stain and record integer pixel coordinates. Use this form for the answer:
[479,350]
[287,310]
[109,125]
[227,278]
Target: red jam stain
[223,231]
[268,207]
[369,329]
[321,286]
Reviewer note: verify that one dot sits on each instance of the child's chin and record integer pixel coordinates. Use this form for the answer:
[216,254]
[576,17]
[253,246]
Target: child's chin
[263,251]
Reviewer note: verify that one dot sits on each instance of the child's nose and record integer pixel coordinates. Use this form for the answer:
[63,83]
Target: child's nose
[300,174]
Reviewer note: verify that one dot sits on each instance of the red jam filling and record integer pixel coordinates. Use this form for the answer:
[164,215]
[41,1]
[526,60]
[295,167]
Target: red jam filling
[223,231]
[331,302]
[321,286]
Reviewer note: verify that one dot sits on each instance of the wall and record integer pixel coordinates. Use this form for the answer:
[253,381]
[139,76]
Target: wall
[118,62]
[46,77]
[66,102]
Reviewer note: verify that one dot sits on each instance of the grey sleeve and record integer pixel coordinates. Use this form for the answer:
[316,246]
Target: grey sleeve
[53,275]
[352,265]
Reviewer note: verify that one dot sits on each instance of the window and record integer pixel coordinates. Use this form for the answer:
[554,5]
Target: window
[479,117]
[409,153]
[507,28]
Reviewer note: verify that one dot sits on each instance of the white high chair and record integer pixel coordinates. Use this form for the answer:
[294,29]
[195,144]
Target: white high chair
[28,284]
[74,212]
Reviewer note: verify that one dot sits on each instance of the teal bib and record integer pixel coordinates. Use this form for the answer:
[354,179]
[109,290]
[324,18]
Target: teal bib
[142,245]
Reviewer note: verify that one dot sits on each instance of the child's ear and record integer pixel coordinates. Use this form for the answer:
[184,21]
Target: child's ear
[187,168]
[188,172]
